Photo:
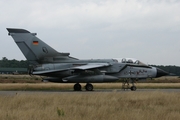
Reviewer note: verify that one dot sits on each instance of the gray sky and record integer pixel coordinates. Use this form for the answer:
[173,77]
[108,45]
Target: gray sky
[148,30]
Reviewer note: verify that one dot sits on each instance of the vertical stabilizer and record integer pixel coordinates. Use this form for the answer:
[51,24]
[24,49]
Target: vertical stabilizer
[34,49]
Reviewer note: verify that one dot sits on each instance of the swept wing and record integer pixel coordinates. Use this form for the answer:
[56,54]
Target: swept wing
[81,67]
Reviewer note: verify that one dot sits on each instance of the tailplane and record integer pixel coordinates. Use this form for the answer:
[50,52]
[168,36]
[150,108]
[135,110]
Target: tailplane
[34,49]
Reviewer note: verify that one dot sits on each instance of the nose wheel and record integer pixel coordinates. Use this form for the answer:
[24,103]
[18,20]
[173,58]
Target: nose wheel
[133,88]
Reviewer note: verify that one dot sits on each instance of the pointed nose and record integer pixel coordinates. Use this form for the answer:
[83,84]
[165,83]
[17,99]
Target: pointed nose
[161,73]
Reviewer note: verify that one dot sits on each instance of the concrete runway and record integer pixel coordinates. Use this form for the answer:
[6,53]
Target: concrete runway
[2,93]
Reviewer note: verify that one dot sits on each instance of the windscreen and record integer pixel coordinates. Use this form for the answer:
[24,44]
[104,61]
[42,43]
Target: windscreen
[130,60]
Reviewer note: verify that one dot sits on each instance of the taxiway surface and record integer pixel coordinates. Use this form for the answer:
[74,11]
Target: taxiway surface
[84,92]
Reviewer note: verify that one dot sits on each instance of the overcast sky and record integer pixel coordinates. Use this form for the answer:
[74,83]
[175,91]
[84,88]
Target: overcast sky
[148,30]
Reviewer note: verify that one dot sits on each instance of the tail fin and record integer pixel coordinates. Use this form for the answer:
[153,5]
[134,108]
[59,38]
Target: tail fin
[35,50]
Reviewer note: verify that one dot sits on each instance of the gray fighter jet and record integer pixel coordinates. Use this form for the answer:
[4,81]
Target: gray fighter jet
[60,67]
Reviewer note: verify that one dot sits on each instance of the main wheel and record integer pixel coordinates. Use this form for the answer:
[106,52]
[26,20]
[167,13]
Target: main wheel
[77,87]
[89,87]
[133,88]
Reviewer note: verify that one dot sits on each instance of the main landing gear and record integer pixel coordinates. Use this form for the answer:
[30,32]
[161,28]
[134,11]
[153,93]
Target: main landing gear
[88,87]
[125,85]
[77,87]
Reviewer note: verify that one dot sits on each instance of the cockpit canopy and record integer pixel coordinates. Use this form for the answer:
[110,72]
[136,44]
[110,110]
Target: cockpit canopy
[130,60]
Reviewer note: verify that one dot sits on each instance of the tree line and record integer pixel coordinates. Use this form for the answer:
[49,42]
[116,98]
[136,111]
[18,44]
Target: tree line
[5,63]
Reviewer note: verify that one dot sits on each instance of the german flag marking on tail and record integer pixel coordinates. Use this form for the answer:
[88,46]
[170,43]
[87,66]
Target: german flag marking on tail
[35,42]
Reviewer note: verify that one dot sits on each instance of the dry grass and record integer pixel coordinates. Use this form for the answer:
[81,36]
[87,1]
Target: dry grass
[37,79]
[165,79]
[19,79]
[35,86]
[91,106]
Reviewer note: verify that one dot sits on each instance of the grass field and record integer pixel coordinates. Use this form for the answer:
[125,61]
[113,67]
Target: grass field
[125,105]
[7,78]
[91,106]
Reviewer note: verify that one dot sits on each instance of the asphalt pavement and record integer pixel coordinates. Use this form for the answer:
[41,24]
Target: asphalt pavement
[88,92]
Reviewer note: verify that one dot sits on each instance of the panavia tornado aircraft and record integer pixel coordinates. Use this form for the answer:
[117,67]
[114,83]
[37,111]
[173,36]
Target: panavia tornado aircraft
[60,67]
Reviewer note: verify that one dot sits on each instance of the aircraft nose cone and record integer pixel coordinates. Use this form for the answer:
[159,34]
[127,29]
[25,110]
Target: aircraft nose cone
[161,73]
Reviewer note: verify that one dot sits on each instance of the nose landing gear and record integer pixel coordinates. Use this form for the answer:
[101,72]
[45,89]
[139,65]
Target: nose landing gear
[126,85]
[133,88]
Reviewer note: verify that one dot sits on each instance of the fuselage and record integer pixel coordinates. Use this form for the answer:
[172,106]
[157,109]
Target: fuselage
[116,69]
